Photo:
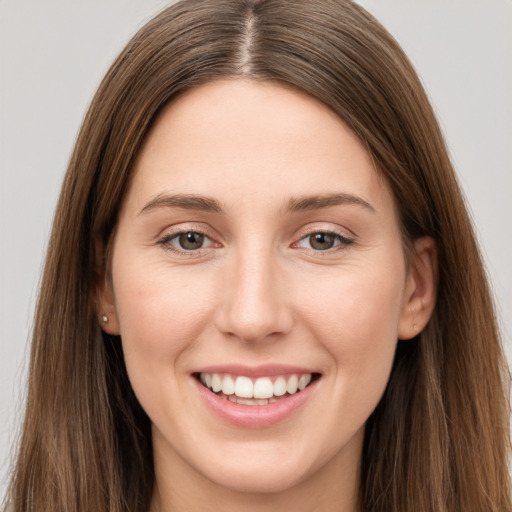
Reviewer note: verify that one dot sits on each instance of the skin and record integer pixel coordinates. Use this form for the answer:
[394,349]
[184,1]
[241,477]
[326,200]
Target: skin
[258,293]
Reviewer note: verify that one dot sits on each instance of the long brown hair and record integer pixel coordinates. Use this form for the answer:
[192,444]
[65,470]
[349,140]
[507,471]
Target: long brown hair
[438,440]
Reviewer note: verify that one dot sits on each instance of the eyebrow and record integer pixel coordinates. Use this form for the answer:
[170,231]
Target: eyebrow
[210,205]
[306,203]
[184,201]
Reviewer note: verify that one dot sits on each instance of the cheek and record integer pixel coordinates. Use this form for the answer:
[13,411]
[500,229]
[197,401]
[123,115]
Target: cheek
[356,318]
[160,313]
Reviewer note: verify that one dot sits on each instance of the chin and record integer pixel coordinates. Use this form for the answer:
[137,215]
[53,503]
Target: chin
[262,478]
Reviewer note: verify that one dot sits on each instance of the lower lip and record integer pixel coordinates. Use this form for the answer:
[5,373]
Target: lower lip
[255,416]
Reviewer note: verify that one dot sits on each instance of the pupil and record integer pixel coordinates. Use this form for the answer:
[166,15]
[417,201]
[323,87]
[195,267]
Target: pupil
[322,241]
[190,241]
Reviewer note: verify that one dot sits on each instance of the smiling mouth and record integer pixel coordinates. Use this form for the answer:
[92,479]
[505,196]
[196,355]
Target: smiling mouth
[255,391]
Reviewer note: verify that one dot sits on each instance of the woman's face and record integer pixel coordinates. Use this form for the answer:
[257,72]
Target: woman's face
[257,247]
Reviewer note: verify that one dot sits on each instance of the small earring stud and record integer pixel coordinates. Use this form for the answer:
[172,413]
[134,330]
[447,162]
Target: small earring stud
[414,326]
[104,319]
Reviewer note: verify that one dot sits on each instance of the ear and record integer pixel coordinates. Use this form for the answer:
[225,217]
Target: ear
[105,300]
[420,289]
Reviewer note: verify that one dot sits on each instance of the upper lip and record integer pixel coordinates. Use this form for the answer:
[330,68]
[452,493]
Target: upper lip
[267,370]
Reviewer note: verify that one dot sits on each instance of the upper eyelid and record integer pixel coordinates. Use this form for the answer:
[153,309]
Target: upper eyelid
[341,237]
[185,227]
[335,233]
[175,234]
[309,230]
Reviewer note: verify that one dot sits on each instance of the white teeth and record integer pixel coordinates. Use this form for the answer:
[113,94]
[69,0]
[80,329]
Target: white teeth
[280,386]
[243,387]
[292,385]
[246,402]
[263,388]
[304,381]
[216,383]
[228,385]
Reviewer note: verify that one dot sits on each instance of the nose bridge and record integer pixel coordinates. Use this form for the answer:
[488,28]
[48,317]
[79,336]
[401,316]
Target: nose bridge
[254,305]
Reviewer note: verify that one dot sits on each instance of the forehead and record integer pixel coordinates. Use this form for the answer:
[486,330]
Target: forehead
[240,137]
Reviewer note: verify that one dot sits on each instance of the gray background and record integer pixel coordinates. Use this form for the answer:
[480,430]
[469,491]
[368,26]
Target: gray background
[54,53]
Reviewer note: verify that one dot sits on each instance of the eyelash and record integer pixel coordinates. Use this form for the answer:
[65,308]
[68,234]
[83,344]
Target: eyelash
[166,242]
[341,242]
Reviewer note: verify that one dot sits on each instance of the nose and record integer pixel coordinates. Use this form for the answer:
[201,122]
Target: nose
[253,305]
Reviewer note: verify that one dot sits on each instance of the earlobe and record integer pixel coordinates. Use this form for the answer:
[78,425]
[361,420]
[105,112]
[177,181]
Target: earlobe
[105,301]
[420,289]
[107,313]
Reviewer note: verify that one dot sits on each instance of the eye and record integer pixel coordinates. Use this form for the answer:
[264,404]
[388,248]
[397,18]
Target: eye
[190,241]
[187,241]
[323,241]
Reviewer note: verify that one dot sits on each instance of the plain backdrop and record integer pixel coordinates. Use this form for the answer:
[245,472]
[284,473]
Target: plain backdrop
[54,53]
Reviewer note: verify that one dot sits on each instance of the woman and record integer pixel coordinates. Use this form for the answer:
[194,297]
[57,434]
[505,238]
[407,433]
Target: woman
[259,205]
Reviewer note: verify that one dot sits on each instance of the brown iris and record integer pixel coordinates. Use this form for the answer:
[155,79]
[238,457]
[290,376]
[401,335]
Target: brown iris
[322,241]
[191,240]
